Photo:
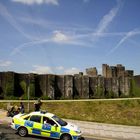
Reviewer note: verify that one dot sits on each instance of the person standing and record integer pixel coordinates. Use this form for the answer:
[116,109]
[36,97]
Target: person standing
[21,108]
[38,105]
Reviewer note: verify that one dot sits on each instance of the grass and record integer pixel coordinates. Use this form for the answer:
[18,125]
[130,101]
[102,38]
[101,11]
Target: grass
[125,112]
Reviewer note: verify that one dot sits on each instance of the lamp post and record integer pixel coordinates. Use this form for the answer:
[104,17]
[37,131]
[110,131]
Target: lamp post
[28,92]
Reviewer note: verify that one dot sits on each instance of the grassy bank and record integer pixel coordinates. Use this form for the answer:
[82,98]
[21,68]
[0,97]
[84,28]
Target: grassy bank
[125,112]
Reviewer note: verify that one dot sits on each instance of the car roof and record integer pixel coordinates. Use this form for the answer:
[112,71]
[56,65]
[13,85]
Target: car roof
[47,114]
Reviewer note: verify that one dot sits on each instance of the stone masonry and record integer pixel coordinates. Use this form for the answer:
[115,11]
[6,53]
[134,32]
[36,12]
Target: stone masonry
[115,82]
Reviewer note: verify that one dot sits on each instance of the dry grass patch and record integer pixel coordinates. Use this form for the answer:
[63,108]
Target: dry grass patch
[125,112]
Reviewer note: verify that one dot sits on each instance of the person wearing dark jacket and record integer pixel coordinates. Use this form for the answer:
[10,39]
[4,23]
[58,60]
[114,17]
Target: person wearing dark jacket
[38,105]
[21,108]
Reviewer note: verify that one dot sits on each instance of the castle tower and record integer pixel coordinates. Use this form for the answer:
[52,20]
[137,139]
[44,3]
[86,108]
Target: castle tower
[92,72]
[106,70]
[120,70]
[113,71]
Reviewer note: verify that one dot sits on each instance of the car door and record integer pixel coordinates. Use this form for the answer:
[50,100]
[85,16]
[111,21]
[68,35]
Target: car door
[46,127]
[28,124]
[35,124]
[50,128]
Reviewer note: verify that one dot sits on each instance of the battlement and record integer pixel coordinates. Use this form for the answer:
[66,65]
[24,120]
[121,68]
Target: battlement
[116,71]
[115,82]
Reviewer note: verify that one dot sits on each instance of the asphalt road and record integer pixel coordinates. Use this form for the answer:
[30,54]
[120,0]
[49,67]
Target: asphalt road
[9,134]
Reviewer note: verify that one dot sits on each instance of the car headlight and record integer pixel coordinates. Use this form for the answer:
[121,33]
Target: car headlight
[78,131]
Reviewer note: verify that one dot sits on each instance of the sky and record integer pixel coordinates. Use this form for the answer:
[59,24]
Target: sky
[68,36]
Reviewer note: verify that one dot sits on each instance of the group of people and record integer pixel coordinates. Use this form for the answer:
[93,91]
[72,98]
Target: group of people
[14,110]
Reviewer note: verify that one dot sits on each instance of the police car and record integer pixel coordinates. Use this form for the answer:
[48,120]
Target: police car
[45,124]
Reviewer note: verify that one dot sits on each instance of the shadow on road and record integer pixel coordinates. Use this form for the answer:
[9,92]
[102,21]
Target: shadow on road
[6,133]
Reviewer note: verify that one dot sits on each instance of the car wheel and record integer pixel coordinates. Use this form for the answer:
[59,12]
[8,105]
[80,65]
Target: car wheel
[65,137]
[22,131]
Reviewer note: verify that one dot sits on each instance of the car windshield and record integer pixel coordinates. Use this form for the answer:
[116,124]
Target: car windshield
[60,121]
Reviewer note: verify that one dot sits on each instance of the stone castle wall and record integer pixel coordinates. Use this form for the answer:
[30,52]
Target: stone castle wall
[116,71]
[64,86]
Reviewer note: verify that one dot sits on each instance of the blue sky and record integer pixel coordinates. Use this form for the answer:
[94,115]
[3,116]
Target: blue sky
[68,36]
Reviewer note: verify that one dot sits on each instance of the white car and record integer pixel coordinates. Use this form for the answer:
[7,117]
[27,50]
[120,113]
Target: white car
[45,124]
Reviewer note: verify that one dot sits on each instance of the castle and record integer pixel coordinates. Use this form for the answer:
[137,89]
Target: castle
[115,81]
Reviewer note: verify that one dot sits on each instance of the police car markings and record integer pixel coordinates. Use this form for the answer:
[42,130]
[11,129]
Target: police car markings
[28,123]
[36,131]
[46,127]
[65,130]
[55,134]
[17,126]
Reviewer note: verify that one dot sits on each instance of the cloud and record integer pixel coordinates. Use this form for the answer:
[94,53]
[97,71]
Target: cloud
[72,71]
[41,69]
[57,37]
[60,68]
[5,63]
[39,2]
[108,18]
[126,37]
[69,38]
[60,37]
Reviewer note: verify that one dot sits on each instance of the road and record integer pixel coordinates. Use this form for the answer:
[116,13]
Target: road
[9,134]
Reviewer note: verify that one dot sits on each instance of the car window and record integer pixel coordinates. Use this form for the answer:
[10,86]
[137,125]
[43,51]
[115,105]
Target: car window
[35,118]
[49,121]
[60,121]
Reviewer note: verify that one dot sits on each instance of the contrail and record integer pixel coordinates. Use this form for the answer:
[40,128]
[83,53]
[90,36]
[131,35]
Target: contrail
[8,17]
[127,36]
[25,45]
[39,2]
[4,12]
[108,18]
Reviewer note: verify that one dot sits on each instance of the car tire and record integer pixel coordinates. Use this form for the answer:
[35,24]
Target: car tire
[65,137]
[22,131]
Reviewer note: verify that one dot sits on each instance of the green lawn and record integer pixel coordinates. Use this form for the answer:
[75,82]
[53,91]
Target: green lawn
[125,112]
